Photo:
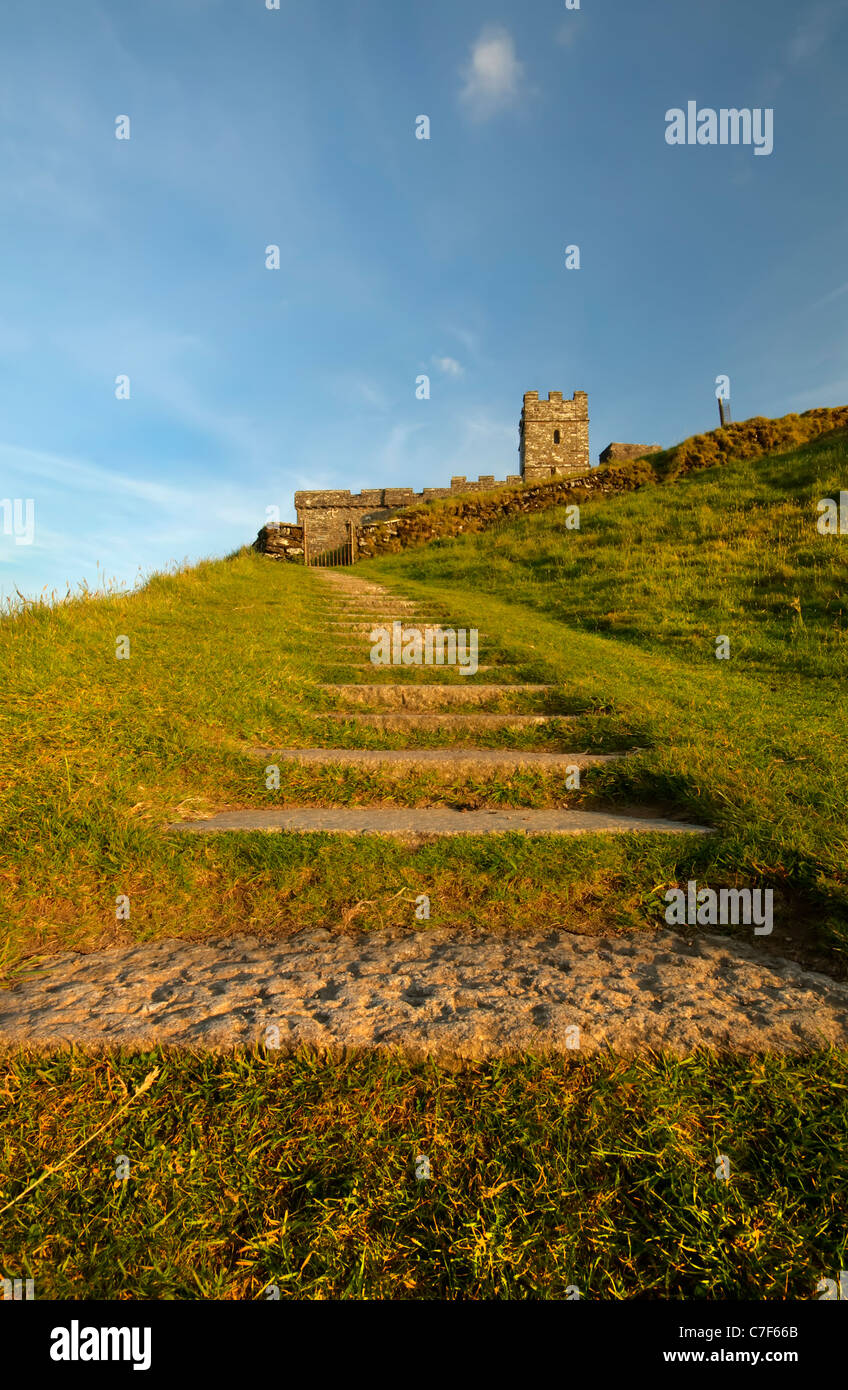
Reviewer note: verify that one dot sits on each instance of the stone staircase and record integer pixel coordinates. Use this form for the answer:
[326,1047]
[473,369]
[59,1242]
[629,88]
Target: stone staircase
[424,709]
[436,993]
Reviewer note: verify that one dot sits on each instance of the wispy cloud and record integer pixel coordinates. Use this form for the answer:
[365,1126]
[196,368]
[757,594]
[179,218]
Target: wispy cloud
[449,366]
[568,33]
[828,298]
[493,76]
[159,363]
[355,389]
[470,341]
[485,445]
[392,456]
[118,521]
[72,475]
[815,30]
[191,506]
[826,393]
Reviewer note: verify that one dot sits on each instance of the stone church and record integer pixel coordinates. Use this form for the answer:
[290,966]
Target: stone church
[553,442]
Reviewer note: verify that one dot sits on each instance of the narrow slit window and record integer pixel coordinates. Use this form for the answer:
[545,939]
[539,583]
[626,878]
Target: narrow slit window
[556,436]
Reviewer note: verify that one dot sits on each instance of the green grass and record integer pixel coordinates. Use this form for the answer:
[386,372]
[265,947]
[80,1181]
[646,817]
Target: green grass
[97,755]
[668,568]
[545,1176]
[597,1173]
[626,612]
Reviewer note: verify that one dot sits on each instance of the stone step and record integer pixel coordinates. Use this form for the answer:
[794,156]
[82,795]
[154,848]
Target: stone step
[400,720]
[367,620]
[423,675]
[448,762]
[440,671]
[430,634]
[413,823]
[368,591]
[360,606]
[413,625]
[428,696]
[432,992]
[338,577]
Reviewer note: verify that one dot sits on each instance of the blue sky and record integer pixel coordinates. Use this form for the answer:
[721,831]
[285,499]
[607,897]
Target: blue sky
[296,127]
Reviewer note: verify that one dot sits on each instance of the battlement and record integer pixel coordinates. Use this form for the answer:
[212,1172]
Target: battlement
[553,435]
[391,497]
[577,408]
[326,515]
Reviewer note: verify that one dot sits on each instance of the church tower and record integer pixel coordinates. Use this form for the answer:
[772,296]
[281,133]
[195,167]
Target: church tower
[553,436]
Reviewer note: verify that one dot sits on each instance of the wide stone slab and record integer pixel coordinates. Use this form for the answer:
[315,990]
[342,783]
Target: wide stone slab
[339,627]
[445,761]
[370,594]
[382,604]
[446,995]
[423,672]
[426,696]
[360,609]
[421,822]
[372,620]
[398,721]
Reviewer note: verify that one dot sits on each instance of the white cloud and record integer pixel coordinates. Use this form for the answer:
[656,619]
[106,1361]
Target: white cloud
[449,366]
[493,76]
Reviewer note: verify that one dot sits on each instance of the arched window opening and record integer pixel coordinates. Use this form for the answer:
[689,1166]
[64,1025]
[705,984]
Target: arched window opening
[556,436]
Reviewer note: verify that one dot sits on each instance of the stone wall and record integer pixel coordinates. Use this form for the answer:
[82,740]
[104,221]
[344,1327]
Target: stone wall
[281,541]
[325,516]
[615,452]
[553,436]
[417,527]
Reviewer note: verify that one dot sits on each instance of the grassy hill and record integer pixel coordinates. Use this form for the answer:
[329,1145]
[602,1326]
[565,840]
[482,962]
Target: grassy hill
[667,567]
[98,754]
[599,1174]
[627,610]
